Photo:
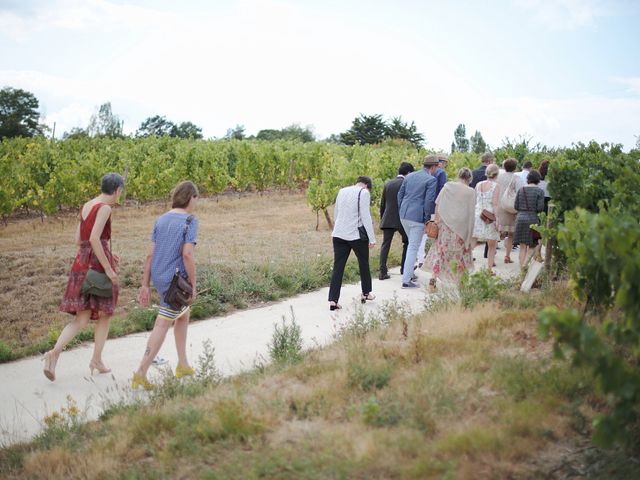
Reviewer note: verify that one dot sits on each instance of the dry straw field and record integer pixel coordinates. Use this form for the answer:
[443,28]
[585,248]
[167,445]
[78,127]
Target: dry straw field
[252,248]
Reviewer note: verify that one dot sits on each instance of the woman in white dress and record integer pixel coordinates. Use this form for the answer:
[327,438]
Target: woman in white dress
[487,198]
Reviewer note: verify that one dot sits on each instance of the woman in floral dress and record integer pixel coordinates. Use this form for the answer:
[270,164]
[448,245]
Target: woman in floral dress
[93,238]
[451,256]
[487,197]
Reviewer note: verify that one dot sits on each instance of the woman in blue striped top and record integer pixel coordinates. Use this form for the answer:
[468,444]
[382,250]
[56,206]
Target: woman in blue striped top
[166,252]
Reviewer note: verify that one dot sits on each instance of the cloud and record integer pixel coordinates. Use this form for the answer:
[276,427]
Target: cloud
[20,21]
[632,84]
[565,14]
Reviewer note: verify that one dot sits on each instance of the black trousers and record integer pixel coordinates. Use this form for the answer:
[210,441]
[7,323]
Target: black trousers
[386,245]
[341,250]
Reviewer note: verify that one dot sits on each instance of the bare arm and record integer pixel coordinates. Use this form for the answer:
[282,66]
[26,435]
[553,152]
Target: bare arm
[190,265]
[144,293]
[78,242]
[101,219]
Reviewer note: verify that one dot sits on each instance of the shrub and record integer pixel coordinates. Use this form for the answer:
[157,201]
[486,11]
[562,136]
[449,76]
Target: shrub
[286,342]
[480,287]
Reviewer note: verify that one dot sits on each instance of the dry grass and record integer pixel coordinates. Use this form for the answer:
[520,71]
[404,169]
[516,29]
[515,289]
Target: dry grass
[452,402]
[236,233]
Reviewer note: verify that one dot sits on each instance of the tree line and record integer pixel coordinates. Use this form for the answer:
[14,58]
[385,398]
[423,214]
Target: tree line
[19,117]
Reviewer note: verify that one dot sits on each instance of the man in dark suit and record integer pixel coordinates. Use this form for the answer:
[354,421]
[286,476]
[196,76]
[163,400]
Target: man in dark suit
[479,174]
[390,219]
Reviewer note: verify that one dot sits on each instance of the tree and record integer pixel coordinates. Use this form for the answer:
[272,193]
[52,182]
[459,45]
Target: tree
[75,133]
[187,130]
[460,141]
[292,132]
[399,129]
[18,114]
[478,145]
[104,123]
[156,125]
[365,129]
[236,133]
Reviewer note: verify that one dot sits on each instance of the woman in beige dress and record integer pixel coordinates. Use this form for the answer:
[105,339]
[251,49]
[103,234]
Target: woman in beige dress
[508,180]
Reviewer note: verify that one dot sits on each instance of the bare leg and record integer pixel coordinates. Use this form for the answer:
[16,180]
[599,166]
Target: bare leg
[100,335]
[491,254]
[180,333]
[70,330]
[508,245]
[156,339]
[522,255]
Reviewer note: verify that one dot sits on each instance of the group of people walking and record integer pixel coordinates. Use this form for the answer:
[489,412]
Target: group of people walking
[499,204]
[484,205]
[170,253]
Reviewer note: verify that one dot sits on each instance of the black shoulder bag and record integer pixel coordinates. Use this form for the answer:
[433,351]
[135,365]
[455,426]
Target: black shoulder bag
[180,290]
[361,230]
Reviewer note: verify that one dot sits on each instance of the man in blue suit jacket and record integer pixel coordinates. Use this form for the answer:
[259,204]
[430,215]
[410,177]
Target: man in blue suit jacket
[416,203]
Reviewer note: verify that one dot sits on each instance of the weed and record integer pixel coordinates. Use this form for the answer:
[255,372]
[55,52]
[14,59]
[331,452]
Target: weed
[236,422]
[367,374]
[6,352]
[480,287]
[206,372]
[378,414]
[60,426]
[286,342]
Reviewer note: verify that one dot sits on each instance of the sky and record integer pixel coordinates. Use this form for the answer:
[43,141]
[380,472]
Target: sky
[553,71]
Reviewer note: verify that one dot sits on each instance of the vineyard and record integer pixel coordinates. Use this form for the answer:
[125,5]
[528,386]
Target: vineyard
[594,230]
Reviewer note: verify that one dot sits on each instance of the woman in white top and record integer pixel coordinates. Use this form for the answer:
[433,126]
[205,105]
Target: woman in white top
[487,195]
[351,213]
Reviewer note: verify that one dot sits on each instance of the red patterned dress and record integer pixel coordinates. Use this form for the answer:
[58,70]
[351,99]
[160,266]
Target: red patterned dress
[74,300]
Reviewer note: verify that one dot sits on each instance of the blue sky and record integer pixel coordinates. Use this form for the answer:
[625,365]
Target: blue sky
[559,71]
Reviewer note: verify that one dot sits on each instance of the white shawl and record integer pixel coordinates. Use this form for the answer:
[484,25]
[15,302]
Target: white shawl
[456,208]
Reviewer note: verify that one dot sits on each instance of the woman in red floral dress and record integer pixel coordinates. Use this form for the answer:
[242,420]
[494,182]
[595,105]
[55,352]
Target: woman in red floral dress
[93,238]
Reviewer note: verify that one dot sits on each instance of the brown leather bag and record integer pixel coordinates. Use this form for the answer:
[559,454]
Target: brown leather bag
[180,291]
[487,216]
[431,229]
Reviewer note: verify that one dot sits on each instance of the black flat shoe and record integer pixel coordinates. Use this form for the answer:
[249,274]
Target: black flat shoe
[386,276]
[334,306]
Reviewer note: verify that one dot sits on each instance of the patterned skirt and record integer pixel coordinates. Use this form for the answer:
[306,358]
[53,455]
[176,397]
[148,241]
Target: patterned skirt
[523,231]
[74,300]
[448,258]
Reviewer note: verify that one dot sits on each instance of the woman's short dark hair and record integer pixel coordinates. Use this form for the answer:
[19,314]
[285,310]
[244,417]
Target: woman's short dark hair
[510,165]
[183,193]
[527,164]
[405,168]
[111,182]
[544,168]
[366,181]
[533,177]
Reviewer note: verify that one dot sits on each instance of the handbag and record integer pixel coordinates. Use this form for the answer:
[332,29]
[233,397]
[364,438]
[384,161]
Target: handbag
[431,229]
[364,236]
[97,283]
[535,234]
[487,216]
[508,197]
[180,290]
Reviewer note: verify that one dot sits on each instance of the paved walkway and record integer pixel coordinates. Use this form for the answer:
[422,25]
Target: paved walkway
[27,396]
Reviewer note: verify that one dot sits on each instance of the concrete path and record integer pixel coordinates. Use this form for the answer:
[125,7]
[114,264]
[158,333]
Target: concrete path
[26,396]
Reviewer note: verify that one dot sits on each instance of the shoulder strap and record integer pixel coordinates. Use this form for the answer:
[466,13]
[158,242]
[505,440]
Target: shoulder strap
[526,202]
[359,221]
[184,238]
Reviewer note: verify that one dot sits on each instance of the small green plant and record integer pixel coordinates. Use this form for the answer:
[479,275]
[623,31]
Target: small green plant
[286,342]
[207,373]
[480,287]
[6,352]
[364,374]
[380,414]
